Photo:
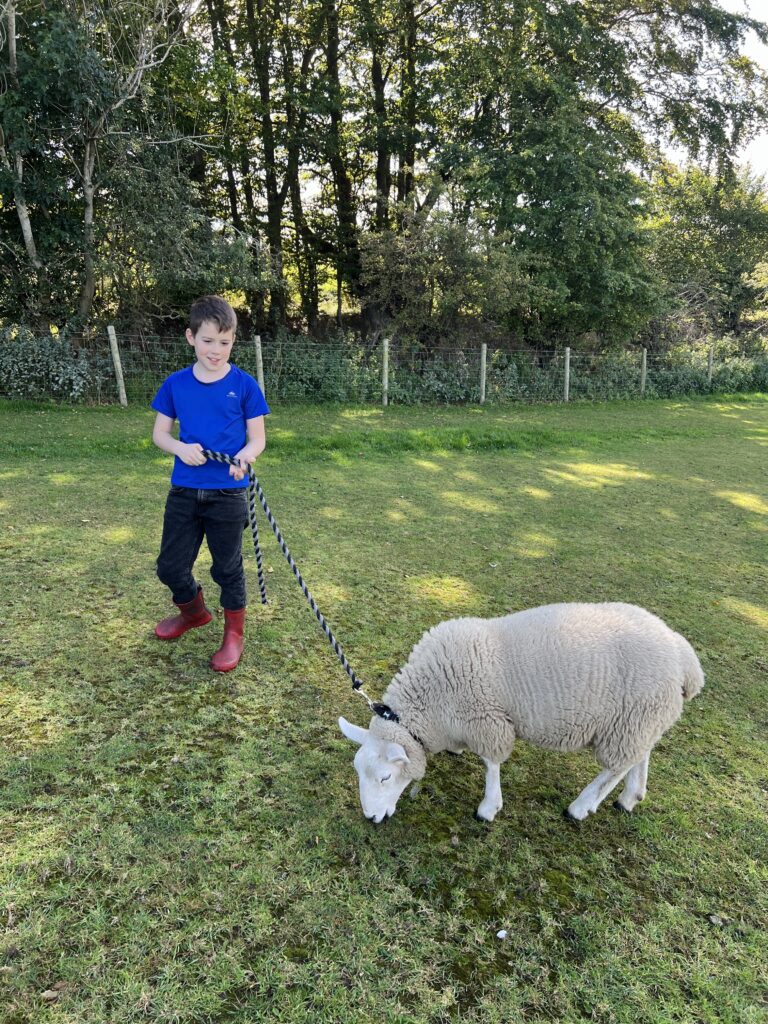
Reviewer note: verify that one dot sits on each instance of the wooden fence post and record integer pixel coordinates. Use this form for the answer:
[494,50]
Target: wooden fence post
[385,374]
[710,360]
[259,363]
[567,388]
[117,364]
[643,372]
[483,362]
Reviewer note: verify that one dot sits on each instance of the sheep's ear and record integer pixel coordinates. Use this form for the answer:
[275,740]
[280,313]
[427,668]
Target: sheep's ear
[396,754]
[352,732]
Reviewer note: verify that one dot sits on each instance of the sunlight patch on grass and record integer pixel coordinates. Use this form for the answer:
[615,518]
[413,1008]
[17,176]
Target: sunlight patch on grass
[328,592]
[536,492]
[751,612]
[118,534]
[534,545]
[34,844]
[40,530]
[408,508]
[590,474]
[450,591]
[430,467]
[12,474]
[361,413]
[468,502]
[329,512]
[745,500]
[26,722]
[62,479]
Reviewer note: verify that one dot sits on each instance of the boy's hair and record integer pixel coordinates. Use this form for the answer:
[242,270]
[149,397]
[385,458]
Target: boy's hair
[212,307]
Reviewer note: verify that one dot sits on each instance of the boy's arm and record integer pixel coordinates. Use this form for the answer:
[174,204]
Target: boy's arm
[162,436]
[257,442]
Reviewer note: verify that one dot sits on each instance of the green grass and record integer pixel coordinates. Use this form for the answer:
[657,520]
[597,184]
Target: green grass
[185,847]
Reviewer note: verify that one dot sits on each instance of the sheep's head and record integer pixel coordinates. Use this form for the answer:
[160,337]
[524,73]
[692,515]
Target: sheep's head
[387,761]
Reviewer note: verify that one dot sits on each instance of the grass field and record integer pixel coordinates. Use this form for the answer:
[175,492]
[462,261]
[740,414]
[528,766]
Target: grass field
[179,846]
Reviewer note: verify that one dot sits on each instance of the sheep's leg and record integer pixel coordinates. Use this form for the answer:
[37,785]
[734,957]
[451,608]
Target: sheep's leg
[593,795]
[491,803]
[635,786]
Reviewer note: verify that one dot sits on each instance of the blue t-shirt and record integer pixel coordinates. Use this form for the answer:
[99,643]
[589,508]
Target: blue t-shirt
[213,415]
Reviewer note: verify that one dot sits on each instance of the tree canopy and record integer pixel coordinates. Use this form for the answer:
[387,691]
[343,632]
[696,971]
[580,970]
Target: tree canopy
[425,168]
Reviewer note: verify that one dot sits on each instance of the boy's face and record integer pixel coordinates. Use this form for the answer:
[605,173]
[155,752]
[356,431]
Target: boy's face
[212,346]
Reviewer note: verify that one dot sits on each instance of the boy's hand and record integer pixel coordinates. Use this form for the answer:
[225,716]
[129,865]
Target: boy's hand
[245,458]
[191,454]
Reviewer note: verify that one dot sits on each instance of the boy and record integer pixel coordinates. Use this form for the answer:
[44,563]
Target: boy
[219,407]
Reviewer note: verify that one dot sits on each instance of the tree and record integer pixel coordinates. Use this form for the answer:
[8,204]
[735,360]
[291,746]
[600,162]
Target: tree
[711,236]
[298,128]
[74,70]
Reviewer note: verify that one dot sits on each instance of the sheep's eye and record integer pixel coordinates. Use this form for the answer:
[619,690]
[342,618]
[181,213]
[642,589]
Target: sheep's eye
[385,779]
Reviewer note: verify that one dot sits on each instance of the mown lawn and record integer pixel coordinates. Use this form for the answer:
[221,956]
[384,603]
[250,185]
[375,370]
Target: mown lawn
[185,847]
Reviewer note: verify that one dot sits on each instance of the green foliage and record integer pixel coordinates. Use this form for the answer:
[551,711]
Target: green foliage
[440,282]
[158,250]
[445,170]
[711,236]
[48,368]
[341,369]
[300,369]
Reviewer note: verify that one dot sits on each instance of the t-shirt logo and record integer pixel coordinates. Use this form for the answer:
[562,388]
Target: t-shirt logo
[231,394]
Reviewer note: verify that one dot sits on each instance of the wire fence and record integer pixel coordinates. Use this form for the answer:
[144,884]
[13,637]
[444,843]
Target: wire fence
[300,369]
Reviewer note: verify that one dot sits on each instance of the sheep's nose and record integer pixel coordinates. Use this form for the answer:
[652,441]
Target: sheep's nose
[376,821]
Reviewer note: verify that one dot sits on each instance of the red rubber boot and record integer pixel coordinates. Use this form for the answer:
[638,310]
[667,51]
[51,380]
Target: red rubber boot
[228,655]
[193,614]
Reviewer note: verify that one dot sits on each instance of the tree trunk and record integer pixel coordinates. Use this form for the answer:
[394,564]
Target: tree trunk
[375,39]
[221,44]
[89,283]
[17,170]
[306,244]
[260,41]
[405,176]
[349,262]
[383,169]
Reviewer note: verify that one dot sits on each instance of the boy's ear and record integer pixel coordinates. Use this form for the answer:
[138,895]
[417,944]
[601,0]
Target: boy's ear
[190,337]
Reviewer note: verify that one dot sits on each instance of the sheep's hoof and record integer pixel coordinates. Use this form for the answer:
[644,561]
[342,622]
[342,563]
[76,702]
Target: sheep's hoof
[569,817]
[482,820]
[620,807]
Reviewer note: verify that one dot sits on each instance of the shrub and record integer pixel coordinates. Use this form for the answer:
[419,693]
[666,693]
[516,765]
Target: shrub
[341,369]
[47,368]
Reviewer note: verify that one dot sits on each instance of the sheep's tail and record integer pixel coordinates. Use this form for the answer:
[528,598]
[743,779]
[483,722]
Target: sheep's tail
[693,675]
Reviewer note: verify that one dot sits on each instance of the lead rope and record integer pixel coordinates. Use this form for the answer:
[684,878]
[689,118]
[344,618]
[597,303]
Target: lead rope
[254,488]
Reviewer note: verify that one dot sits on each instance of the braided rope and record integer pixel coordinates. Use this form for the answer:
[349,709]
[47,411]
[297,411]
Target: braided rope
[254,488]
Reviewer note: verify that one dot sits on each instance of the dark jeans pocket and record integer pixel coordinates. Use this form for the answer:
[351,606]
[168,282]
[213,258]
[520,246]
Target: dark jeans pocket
[235,500]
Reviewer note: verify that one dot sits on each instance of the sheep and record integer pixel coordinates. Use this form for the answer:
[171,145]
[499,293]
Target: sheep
[562,676]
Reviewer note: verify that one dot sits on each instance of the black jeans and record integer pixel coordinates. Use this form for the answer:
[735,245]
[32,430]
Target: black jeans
[218,515]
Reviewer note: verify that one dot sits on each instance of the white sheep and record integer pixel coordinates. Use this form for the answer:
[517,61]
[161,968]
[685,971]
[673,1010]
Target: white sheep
[563,676]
